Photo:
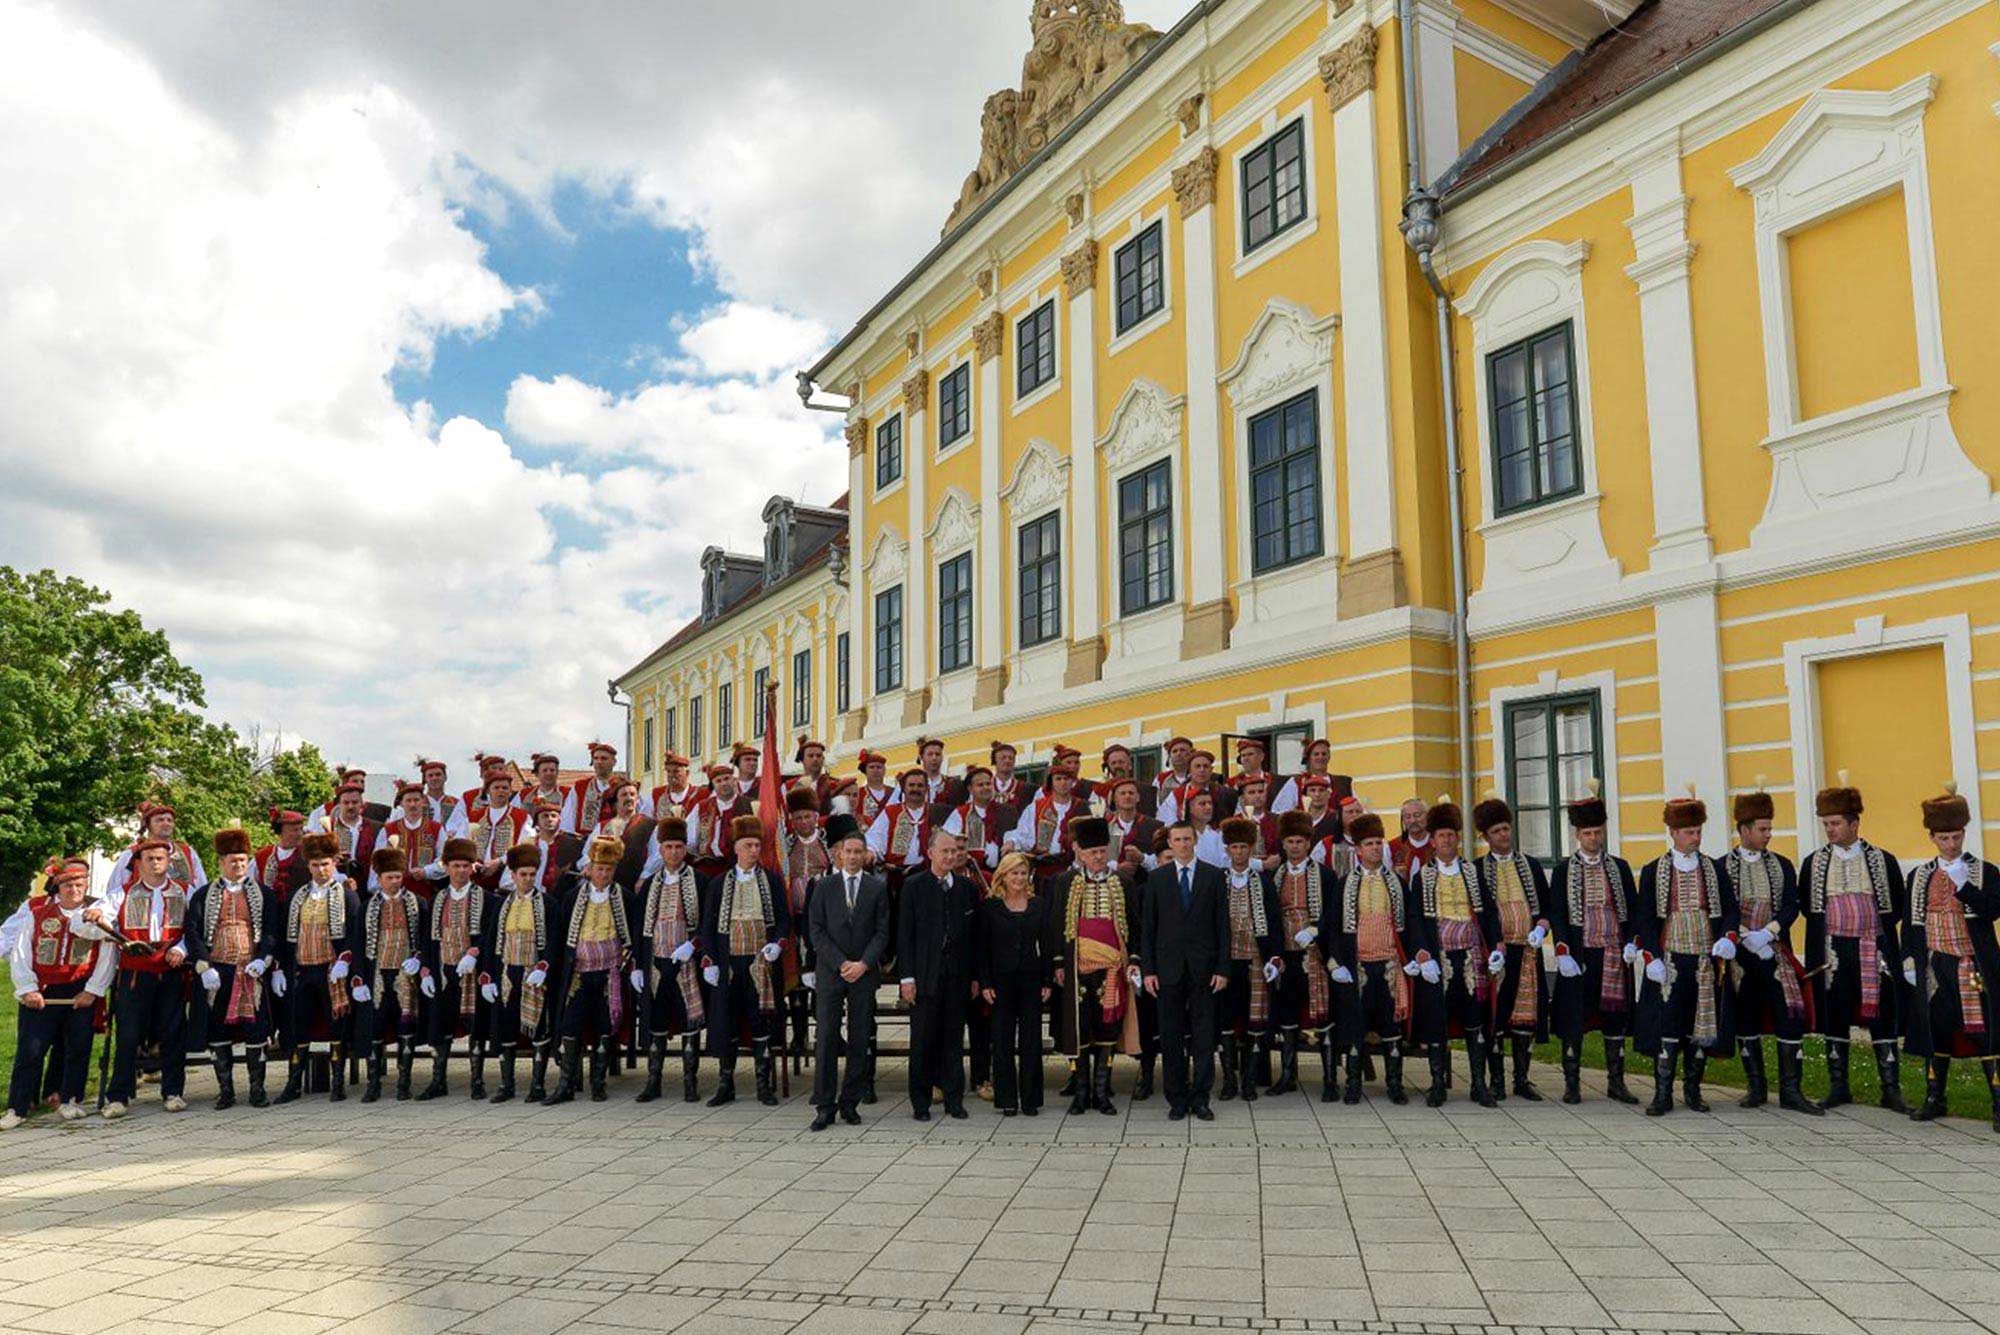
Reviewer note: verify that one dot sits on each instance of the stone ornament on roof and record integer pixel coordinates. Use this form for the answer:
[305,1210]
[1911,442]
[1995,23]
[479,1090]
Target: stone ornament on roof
[1080,48]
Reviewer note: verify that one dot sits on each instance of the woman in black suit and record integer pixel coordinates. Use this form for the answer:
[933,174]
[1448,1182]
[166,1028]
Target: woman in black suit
[1013,968]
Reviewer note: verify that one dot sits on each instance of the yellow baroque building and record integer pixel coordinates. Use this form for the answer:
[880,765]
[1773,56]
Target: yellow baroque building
[1512,391]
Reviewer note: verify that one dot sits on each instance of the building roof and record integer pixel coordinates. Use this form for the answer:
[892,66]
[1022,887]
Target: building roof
[1662,40]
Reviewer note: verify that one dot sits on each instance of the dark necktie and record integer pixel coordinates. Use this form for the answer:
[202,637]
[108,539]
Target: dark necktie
[851,890]
[1187,889]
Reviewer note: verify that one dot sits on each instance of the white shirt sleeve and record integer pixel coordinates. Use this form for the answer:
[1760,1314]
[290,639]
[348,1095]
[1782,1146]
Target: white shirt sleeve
[316,821]
[99,982]
[195,867]
[21,956]
[1170,808]
[1318,853]
[878,833]
[1209,848]
[456,823]
[119,866]
[14,929]
[646,802]
[1288,797]
[568,823]
[1022,836]
[954,824]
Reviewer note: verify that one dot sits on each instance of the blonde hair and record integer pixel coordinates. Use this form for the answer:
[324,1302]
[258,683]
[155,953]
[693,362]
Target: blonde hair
[997,888]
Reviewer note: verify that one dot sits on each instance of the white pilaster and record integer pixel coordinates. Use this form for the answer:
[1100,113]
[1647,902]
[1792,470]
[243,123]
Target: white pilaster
[1205,478]
[1364,332]
[1692,737]
[992,554]
[1084,561]
[859,441]
[917,447]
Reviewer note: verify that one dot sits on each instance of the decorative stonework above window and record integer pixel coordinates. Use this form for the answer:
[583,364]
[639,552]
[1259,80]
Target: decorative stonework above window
[890,560]
[1147,422]
[986,337]
[1348,70]
[1194,181]
[1040,481]
[917,389]
[956,526]
[1079,269]
[1288,349]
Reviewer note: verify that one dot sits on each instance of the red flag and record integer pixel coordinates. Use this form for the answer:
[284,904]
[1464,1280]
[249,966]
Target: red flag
[770,787]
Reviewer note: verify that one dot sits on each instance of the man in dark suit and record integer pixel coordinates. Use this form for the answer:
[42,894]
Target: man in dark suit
[847,915]
[1184,949]
[934,948]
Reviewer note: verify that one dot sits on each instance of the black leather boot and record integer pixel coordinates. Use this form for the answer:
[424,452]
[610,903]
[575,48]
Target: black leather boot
[1496,1067]
[1265,1046]
[1440,1073]
[1478,1052]
[725,1085]
[508,1060]
[603,1053]
[223,1058]
[538,1074]
[767,1076]
[1791,1096]
[1695,1065]
[1933,1105]
[1572,1074]
[372,1091]
[656,1058]
[1392,1072]
[690,1070]
[1523,1089]
[569,1077]
[1890,1071]
[336,1075]
[1329,1069]
[1068,1089]
[478,1089]
[1288,1063]
[1101,1083]
[1757,1089]
[1663,1081]
[1352,1094]
[295,1074]
[1080,1084]
[1246,1056]
[1226,1091]
[1142,1089]
[406,1061]
[439,1059]
[1614,1072]
[1838,1095]
[253,1062]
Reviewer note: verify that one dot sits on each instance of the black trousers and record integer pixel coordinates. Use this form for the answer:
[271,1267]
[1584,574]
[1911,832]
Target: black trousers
[666,1008]
[979,1043]
[586,1007]
[64,1029]
[1839,1011]
[1760,1000]
[739,1009]
[835,1000]
[383,1018]
[1187,1037]
[151,1008]
[309,1004]
[448,1019]
[937,1042]
[503,1031]
[207,1020]
[1016,1031]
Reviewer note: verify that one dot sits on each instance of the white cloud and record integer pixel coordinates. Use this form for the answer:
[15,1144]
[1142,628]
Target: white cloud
[741,339]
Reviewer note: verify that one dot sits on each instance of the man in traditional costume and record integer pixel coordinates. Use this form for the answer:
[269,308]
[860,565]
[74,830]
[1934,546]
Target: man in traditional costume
[1687,923]
[445,807]
[1132,831]
[1251,760]
[1008,790]
[1951,958]
[1520,891]
[547,782]
[588,797]
[388,985]
[322,815]
[1378,938]
[978,821]
[875,793]
[352,830]
[1179,771]
[810,755]
[940,789]
[744,922]
[514,974]
[804,854]
[1095,956]
[278,866]
[1291,793]
[493,825]
[624,809]
[455,935]
[715,817]
[1252,963]
[1043,830]
[156,821]
[677,796]
[151,1001]
[669,936]
[1250,793]
[935,917]
[1771,996]
[62,968]
[1183,960]
[1593,900]
[1855,900]
[231,937]
[1460,932]
[1200,779]
[850,924]
[595,948]
[1410,848]
[316,953]
[1303,891]
[416,838]
[901,833]
[489,764]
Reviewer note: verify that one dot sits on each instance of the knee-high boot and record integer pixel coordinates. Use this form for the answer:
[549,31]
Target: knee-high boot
[1246,1056]
[1226,1091]
[1791,1096]
[223,1058]
[1080,1099]
[1663,1079]
[478,1089]
[1757,1089]
[1329,1068]
[603,1053]
[253,1063]
[1392,1072]
[508,1058]
[1523,1054]
[725,1084]
[1935,1076]
[1142,1089]
[1891,1075]
[1478,1051]
[569,1074]
[406,1061]
[1838,1093]
[538,1074]
[372,1091]
[656,1058]
[690,1069]
[1614,1072]
[1101,1086]
[1352,1094]
[336,1074]
[1696,1063]
[295,1074]
[1288,1063]
[440,1057]
[1572,1073]
[1068,1089]
[767,1075]
[1440,1074]
[1496,1066]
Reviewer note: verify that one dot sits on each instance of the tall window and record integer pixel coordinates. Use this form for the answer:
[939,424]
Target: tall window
[1284,482]
[760,688]
[1035,349]
[1041,578]
[802,688]
[1141,278]
[669,720]
[725,715]
[955,405]
[889,640]
[1554,750]
[695,746]
[1274,186]
[646,752]
[1147,762]
[1145,540]
[955,613]
[889,451]
[843,693]
[1531,386]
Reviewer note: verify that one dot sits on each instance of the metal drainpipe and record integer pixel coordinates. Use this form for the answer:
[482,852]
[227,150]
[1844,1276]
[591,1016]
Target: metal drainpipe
[1419,227]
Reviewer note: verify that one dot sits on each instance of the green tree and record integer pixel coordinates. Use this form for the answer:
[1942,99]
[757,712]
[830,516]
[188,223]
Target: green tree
[296,780]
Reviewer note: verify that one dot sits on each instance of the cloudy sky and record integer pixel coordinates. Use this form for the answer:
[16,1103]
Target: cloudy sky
[400,359]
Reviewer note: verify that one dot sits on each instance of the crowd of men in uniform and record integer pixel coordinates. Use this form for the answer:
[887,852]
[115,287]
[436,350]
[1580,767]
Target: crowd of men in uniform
[1213,929]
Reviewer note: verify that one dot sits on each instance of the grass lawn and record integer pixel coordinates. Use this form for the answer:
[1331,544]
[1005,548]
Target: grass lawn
[7,1035]
[1965,1091]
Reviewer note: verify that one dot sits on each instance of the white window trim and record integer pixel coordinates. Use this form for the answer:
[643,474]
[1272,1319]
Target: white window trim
[1275,123]
[1167,442]
[1548,683]
[971,435]
[1873,635]
[954,532]
[874,452]
[1035,671]
[1053,385]
[1159,318]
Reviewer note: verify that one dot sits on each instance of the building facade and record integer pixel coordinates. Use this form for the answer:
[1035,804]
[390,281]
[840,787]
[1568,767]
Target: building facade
[1162,437]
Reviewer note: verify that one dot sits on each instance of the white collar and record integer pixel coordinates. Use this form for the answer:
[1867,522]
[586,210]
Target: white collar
[460,891]
[1750,855]
[1189,865]
[1848,854]
[1958,869]
[743,875]
[318,891]
[228,884]
[1421,839]
[599,896]
[1589,859]
[164,882]
[1239,877]
[1297,868]
[282,851]
[1445,868]
[1685,861]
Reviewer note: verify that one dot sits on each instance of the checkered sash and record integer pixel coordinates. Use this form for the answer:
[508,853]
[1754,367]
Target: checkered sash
[454,939]
[1514,928]
[392,943]
[1374,928]
[1601,931]
[1944,930]
[1046,825]
[1246,924]
[1688,932]
[601,957]
[670,933]
[315,948]
[1855,916]
[232,947]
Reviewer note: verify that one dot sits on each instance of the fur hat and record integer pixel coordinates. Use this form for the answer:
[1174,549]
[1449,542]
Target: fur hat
[235,839]
[746,827]
[1588,812]
[1684,813]
[670,830]
[1444,815]
[1838,800]
[315,846]
[1295,824]
[459,850]
[1490,811]
[1240,830]
[387,860]
[1367,825]
[839,827]
[606,851]
[1090,832]
[801,799]
[1753,806]
[524,856]
[1942,815]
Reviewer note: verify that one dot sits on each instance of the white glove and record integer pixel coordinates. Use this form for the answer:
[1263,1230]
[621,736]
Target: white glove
[1413,968]
[1306,936]
[1431,971]
[535,978]
[1758,943]
[811,981]
[211,980]
[772,951]
[1723,949]
[466,964]
[255,968]
[1342,974]
[1567,966]
[712,976]
[682,952]
[339,971]
[490,991]
[428,986]
[1497,962]
[1133,977]
[1536,935]
[1656,971]
[1270,971]
[412,965]
[1910,973]
[362,995]
[638,980]
[1631,952]
[278,983]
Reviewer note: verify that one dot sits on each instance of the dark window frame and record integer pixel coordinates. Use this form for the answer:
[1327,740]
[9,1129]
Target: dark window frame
[1555,814]
[1139,278]
[1291,463]
[889,640]
[954,405]
[802,688]
[955,613]
[843,673]
[760,684]
[1035,349]
[1153,528]
[1039,578]
[695,746]
[725,715]
[646,747]
[1265,221]
[1539,444]
[889,452]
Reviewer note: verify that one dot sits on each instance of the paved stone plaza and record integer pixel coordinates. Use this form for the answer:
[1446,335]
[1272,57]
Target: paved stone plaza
[1291,1215]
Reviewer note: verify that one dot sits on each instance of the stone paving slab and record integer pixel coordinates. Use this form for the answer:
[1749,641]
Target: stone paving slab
[1284,1215]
